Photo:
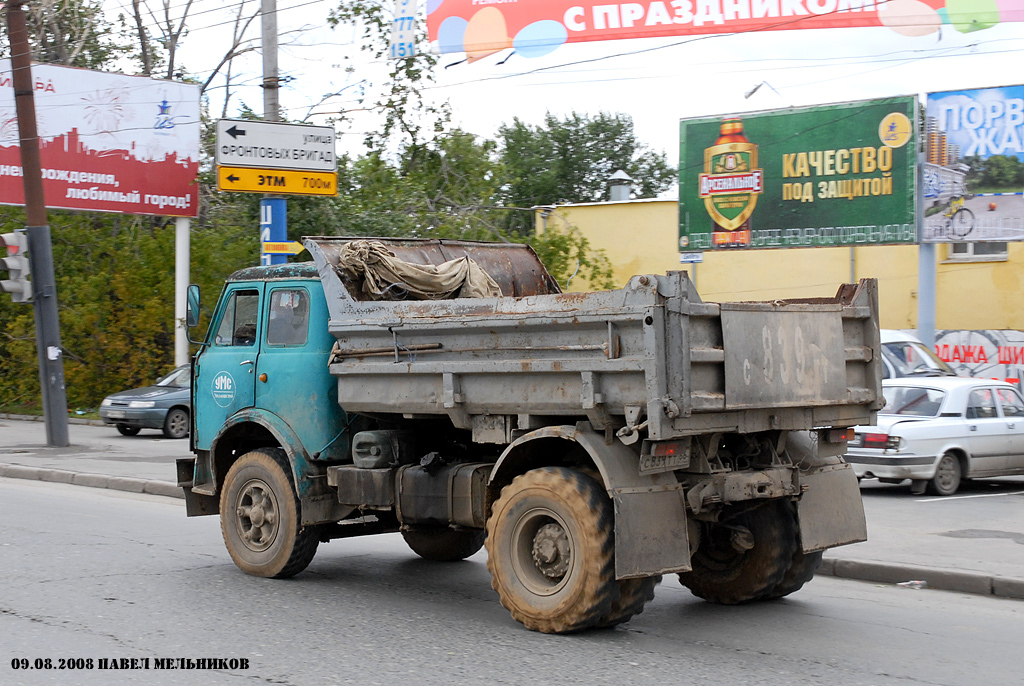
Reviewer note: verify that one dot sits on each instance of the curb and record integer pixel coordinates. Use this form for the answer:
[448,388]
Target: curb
[116,483]
[36,418]
[938,579]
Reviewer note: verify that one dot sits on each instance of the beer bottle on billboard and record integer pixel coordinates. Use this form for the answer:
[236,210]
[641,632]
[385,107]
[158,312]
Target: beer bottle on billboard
[730,184]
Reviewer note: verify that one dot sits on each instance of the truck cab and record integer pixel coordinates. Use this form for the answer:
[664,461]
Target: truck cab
[253,382]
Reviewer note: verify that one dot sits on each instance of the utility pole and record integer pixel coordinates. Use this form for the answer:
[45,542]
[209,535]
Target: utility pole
[40,250]
[273,209]
[271,84]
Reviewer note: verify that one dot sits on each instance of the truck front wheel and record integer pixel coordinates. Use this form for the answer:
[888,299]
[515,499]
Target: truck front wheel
[744,556]
[260,517]
[550,550]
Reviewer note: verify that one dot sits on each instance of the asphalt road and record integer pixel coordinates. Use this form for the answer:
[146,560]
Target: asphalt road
[97,574]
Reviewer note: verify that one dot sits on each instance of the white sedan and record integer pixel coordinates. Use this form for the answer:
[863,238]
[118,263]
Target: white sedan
[939,431]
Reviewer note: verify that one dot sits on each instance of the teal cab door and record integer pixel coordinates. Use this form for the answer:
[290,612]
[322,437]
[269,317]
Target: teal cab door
[292,379]
[224,379]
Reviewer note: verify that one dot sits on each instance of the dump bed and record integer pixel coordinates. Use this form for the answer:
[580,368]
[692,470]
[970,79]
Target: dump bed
[651,352]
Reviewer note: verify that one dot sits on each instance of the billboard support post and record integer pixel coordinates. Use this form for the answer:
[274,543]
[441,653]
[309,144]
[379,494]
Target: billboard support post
[182,259]
[926,269]
[49,351]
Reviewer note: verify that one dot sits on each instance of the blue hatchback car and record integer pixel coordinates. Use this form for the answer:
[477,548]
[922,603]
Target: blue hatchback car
[166,405]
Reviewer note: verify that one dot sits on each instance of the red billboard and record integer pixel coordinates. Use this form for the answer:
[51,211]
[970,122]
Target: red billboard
[107,142]
[536,27]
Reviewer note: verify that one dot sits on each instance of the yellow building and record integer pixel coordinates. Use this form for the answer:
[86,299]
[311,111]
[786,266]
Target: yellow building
[973,290]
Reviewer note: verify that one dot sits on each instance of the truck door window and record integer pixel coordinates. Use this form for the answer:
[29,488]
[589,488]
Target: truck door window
[289,317]
[238,322]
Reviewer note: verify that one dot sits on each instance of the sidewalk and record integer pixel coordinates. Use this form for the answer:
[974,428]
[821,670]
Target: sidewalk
[972,542]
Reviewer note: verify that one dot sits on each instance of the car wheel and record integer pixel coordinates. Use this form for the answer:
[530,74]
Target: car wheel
[260,517]
[126,430]
[550,550]
[176,423]
[947,476]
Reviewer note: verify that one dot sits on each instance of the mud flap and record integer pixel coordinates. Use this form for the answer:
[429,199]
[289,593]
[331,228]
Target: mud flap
[650,532]
[830,512]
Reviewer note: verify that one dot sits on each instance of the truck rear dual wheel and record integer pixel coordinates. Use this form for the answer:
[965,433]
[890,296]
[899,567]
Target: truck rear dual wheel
[633,595]
[802,567]
[726,573]
[551,553]
[444,545]
[801,570]
[260,517]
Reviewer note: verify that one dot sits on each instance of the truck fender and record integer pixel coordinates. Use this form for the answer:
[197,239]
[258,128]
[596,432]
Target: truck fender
[651,535]
[318,501]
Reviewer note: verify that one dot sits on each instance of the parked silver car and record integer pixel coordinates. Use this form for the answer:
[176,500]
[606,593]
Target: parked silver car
[938,431]
[166,405]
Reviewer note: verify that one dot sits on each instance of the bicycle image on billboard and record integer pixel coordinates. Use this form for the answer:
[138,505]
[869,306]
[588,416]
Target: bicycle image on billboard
[973,174]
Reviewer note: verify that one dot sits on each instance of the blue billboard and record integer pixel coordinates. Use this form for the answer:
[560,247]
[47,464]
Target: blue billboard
[973,175]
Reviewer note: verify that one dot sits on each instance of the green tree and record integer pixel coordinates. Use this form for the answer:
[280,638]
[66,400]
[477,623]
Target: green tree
[571,159]
[1002,171]
[70,32]
[410,119]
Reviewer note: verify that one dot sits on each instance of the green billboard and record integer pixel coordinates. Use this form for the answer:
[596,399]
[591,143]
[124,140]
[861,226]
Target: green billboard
[823,176]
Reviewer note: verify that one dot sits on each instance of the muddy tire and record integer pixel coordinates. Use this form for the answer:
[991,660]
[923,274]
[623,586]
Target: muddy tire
[633,595]
[727,576]
[126,430]
[801,570]
[802,567]
[444,545]
[550,550]
[260,517]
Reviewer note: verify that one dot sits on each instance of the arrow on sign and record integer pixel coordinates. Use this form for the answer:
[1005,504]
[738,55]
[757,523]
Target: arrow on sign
[282,248]
[232,178]
[235,132]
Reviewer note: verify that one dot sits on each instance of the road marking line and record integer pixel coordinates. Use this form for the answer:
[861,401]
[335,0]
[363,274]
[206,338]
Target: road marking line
[940,499]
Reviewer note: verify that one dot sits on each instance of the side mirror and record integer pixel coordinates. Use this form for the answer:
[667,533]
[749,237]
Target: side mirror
[192,314]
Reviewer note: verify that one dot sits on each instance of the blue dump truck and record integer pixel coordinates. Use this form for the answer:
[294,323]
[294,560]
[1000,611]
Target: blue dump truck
[593,442]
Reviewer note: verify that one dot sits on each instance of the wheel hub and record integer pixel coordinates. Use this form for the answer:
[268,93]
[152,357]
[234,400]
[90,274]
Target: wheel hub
[551,551]
[257,516]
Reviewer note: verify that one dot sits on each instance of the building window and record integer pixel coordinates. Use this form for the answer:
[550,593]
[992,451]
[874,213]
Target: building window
[977,252]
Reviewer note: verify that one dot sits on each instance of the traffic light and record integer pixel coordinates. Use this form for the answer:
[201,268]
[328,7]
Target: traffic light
[16,263]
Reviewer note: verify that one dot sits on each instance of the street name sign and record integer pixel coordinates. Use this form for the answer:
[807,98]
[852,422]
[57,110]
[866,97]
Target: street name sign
[274,145]
[276,181]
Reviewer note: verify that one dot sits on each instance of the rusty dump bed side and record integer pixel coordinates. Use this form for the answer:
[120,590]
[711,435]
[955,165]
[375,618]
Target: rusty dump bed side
[651,351]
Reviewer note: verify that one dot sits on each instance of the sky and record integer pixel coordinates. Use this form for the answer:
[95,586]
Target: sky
[657,81]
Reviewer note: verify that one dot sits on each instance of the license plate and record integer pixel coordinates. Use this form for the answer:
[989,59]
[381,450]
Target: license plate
[116,414]
[652,464]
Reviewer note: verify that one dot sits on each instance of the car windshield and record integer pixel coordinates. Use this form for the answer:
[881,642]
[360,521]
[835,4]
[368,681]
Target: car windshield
[910,358]
[179,378]
[912,401]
